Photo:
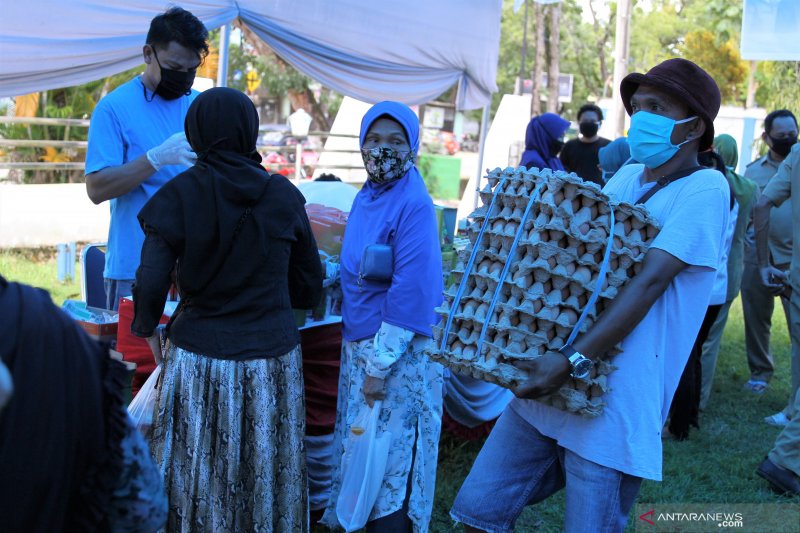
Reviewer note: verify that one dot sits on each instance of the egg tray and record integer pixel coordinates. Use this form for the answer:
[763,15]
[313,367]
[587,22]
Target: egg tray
[554,269]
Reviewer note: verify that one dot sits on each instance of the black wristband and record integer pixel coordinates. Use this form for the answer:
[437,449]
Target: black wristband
[568,351]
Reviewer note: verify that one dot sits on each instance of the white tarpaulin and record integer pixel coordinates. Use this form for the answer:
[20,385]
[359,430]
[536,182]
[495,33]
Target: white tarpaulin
[770,30]
[405,50]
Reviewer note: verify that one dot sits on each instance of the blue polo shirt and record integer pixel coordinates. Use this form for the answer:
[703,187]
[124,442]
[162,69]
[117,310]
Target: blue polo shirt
[124,126]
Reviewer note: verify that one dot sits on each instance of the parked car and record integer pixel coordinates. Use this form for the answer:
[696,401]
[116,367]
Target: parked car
[279,151]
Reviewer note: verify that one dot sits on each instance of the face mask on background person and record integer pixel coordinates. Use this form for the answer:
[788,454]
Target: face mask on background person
[650,138]
[783,146]
[588,129]
[385,164]
[174,83]
[555,147]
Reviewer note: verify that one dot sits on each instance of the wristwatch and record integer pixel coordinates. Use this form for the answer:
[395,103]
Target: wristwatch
[581,365]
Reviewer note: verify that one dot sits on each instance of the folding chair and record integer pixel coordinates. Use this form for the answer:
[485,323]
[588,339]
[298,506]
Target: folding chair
[93,262]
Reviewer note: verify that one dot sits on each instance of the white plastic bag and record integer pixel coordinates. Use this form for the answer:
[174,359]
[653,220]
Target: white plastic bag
[142,407]
[363,467]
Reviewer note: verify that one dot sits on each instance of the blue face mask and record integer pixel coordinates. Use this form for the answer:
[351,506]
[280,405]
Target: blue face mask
[650,138]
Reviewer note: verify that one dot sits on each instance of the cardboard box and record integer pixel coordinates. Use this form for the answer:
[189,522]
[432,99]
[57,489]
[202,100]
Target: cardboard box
[101,332]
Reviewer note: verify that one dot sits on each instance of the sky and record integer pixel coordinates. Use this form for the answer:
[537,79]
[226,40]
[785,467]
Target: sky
[601,8]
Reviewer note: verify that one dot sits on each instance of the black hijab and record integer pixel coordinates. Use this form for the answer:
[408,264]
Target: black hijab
[198,211]
[60,454]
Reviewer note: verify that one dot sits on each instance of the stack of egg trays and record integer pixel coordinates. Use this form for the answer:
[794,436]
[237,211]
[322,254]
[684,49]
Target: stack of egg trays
[553,272]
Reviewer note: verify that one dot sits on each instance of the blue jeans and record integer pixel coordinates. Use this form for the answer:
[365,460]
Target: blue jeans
[519,466]
[116,289]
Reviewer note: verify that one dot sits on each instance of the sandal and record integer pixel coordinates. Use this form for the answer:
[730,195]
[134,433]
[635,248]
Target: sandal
[756,386]
[779,419]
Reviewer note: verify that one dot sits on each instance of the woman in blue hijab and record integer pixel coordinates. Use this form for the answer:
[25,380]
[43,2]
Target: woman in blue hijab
[543,141]
[387,318]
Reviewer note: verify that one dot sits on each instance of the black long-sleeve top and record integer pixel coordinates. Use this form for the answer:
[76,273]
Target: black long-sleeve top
[245,311]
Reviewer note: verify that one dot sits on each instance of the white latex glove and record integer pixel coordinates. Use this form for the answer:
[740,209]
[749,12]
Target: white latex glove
[173,151]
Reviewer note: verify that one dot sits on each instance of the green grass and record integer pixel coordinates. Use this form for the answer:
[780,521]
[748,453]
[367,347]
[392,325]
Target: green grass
[39,268]
[717,464]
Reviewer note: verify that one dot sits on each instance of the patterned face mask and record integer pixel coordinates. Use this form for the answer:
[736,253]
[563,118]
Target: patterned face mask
[386,164]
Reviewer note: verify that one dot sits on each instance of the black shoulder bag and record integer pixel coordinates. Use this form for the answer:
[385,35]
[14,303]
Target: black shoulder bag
[186,300]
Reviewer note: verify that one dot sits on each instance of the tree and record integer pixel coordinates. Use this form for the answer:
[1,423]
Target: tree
[554,51]
[660,30]
[778,85]
[280,78]
[69,102]
[538,64]
[656,34]
[585,49]
[721,60]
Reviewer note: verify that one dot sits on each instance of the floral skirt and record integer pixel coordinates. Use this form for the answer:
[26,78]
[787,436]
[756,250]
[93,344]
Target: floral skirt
[412,412]
[228,438]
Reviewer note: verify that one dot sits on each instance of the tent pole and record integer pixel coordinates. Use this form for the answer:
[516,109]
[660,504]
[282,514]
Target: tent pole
[482,141]
[224,43]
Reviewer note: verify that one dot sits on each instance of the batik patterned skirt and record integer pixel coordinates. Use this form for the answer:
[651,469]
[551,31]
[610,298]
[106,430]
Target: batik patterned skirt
[412,412]
[228,438]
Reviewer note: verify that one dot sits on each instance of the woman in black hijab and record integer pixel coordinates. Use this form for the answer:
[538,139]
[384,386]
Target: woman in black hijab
[229,424]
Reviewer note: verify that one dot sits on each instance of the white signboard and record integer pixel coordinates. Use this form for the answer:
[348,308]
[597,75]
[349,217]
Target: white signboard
[434,117]
[771,30]
[564,87]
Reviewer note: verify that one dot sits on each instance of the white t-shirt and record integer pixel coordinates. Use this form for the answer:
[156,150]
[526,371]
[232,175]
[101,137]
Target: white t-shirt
[694,214]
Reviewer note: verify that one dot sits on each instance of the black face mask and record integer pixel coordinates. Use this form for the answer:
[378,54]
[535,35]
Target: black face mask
[588,129]
[782,147]
[174,83]
[555,147]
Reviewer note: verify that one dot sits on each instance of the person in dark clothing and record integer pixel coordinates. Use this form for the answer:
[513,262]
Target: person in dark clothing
[543,141]
[685,408]
[580,155]
[230,419]
[328,177]
[70,456]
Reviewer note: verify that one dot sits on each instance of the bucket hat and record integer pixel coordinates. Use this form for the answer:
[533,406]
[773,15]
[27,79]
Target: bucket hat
[685,81]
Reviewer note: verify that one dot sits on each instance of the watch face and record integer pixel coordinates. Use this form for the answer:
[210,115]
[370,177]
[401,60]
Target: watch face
[582,368]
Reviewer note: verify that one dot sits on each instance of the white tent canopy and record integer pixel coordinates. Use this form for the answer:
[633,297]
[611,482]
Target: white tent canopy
[405,50]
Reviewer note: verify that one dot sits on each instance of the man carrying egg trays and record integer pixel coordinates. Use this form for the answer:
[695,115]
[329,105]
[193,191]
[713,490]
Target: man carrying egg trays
[554,270]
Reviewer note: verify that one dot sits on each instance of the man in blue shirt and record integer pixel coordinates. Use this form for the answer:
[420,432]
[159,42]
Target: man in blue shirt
[137,142]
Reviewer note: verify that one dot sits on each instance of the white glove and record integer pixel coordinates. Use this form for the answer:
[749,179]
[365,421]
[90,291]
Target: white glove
[173,151]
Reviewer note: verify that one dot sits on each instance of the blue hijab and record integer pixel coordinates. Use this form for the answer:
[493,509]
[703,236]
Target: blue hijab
[613,156]
[399,213]
[542,132]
